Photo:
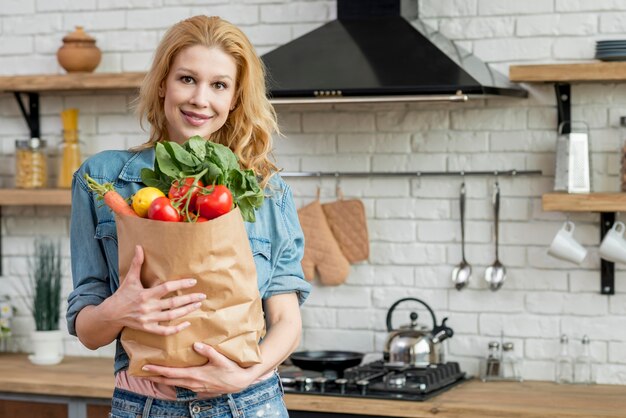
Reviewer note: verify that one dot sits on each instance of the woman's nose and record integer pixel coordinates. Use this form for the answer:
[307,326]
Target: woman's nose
[200,96]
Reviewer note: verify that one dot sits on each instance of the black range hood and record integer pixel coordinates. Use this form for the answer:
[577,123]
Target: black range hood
[371,53]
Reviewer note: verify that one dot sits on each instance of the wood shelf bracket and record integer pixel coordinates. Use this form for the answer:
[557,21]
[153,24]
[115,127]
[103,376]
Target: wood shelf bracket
[31,116]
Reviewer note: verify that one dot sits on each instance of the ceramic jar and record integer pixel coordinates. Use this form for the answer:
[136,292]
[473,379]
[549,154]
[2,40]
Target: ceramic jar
[79,52]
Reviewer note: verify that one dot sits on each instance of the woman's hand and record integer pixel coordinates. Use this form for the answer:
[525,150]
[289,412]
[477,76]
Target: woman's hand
[140,308]
[220,375]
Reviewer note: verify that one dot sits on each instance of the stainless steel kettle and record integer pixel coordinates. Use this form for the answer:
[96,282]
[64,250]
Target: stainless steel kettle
[413,344]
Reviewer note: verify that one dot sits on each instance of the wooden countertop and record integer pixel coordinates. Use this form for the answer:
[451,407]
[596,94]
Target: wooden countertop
[93,378]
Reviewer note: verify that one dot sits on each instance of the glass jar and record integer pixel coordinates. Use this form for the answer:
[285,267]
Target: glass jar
[31,167]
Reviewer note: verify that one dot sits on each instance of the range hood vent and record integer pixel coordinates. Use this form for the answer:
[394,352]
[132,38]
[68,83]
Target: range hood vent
[371,53]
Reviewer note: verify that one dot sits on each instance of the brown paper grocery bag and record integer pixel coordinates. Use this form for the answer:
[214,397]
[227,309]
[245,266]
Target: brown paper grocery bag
[216,253]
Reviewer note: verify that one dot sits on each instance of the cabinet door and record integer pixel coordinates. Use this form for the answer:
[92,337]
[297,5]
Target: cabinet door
[21,409]
[98,411]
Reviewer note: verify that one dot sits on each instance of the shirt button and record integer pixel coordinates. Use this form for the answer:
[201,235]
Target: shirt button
[195,409]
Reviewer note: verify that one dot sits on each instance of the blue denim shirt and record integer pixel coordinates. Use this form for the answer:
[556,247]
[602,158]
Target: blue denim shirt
[276,238]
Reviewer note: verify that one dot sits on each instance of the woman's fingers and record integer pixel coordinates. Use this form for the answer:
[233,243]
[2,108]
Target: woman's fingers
[163,289]
[134,272]
[165,330]
[169,315]
[178,301]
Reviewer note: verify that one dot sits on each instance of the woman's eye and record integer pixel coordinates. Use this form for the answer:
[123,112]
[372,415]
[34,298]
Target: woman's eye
[186,79]
[219,85]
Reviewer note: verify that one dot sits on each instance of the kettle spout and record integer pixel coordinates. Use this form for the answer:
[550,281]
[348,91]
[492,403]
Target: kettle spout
[442,332]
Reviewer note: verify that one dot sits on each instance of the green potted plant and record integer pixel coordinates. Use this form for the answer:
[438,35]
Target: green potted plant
[45,274]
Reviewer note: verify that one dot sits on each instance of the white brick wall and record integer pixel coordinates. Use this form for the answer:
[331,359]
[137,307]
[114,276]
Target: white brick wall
[413,223]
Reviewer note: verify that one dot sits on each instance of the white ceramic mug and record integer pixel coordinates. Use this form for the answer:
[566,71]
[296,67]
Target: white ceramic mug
[613,246]
[565,246]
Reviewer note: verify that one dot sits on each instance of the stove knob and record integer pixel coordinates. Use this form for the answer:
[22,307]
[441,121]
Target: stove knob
[362,385]
[321,383]
[342,385]
[301,383]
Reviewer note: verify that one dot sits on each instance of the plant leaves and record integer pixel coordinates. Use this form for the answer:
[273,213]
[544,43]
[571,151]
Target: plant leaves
[167,165]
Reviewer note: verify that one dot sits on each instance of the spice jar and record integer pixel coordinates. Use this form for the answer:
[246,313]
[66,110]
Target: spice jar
[31,168]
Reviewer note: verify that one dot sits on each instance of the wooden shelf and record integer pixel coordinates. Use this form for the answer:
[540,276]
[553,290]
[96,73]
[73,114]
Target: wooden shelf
[71,82]
[37,197]
[596,71]
[592,202]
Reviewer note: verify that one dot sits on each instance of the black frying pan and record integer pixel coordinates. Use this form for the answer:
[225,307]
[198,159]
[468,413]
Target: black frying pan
[321,361]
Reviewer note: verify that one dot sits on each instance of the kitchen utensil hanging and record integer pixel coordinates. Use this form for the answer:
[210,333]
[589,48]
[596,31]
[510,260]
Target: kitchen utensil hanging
[495,274]
[572,172]
[463,271]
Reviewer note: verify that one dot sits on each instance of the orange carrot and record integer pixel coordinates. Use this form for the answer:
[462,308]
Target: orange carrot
[111,197]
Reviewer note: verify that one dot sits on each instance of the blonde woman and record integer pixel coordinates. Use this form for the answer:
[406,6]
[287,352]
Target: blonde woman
[206,80]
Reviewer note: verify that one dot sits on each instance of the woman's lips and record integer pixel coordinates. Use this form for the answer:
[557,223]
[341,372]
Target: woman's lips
[194,119]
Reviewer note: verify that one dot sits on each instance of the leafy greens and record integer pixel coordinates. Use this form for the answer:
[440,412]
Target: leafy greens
[207,161]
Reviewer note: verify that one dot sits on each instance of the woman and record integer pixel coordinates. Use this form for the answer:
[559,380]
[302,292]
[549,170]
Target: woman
[206,80]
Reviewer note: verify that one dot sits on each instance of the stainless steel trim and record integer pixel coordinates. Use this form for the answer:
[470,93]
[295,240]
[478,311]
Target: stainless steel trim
[370,99]
[512,173]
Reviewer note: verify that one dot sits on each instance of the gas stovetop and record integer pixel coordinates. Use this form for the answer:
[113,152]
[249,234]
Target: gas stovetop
[376,380]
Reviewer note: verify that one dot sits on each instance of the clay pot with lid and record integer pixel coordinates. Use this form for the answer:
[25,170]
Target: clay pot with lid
[79,52]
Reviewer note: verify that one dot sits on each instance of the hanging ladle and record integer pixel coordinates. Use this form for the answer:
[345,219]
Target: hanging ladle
[495,274]
[461,273]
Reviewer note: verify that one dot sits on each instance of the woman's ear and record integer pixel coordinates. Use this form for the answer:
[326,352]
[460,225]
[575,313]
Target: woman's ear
[162,90]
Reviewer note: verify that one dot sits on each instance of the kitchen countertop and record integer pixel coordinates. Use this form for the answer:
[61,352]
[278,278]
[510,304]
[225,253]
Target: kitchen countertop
[93,378]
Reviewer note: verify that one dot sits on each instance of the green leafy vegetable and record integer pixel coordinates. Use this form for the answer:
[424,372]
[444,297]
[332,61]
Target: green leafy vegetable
[207,161]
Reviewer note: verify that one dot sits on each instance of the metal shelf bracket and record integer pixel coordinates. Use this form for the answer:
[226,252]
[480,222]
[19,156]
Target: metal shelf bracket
[607,268]
[31,116]
[563,93]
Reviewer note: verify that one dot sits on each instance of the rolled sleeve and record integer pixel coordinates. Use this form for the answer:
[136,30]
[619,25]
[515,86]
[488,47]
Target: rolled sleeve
[89,268]
[288,276]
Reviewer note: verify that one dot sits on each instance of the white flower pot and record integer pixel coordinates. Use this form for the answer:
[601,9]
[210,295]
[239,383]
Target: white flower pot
[47,347]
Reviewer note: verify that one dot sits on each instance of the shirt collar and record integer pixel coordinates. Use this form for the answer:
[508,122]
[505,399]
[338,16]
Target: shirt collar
[139,160]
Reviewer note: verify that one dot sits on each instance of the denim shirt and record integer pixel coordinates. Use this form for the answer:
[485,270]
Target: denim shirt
[276,238]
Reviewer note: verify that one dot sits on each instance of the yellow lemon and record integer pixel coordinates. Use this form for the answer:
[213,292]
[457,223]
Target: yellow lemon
[143,198]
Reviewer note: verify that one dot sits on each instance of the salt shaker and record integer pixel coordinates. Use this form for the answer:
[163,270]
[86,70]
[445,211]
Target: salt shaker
[582,365]
[511,364]
[491,367]
[564,363]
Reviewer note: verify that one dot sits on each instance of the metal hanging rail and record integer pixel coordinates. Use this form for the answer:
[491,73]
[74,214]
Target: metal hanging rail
[498,173]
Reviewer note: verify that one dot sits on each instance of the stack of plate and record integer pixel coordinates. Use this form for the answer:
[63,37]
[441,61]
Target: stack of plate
[612,50]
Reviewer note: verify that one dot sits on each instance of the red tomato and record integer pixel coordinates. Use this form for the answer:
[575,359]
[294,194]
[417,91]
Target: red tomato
[182,194]
[216,202]
[161,209]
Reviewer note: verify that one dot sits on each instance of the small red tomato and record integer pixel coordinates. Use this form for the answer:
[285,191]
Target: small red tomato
[161,209]
[184,193]
[214,202]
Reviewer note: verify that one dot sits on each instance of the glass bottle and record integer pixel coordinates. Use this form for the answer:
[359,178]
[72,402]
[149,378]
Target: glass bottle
[582,365]
[564,363]
[622,153]
[511,364]
[492,363]
[31,167]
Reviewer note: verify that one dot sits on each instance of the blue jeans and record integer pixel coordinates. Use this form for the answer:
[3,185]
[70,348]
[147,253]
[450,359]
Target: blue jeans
[263,399]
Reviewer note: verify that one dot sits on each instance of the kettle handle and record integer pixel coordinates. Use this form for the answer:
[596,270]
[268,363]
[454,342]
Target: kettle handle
[393,307]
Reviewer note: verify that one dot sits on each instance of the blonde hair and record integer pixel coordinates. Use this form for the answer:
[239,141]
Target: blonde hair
[250,125]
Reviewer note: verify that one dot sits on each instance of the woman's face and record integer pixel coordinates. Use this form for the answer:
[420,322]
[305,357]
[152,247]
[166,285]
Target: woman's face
[198,92]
